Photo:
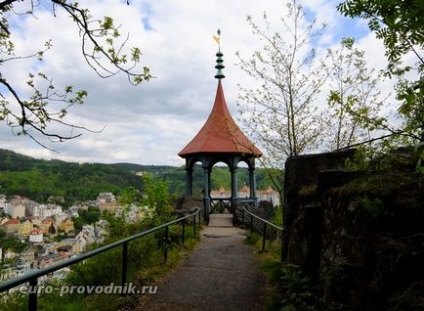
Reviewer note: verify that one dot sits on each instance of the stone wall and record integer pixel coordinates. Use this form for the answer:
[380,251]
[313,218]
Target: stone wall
[359,236]
[301,177]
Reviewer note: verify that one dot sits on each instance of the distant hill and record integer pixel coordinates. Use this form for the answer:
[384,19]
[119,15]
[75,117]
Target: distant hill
[40,179]
[142,168]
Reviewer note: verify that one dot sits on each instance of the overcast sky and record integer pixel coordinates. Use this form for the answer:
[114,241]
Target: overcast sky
[151,123]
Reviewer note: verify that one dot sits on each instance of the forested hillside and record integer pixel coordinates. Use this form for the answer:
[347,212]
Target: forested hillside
[40,179]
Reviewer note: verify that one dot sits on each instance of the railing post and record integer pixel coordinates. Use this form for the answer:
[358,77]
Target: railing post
[32,299]
[165,252]
[183,235]
[251,224]
[124,264]
[194,224]
[264,238]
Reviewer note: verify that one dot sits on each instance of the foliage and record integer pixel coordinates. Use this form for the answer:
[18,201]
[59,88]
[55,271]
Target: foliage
[266,177]
[270,264]
[89,216]
[296,287]
[277,217]
[374,207]
[253,238]
[353,98]
[385,155]
[13,243]
[399,24]
[14,301]
[157,197]
[130,196]
[419,149]
[102,47]
[40,179]
[280,112]
[221,177]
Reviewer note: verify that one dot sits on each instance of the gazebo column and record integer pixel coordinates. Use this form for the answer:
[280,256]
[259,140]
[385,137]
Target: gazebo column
[233,171]
[189,181]
[252,180]
[206,193]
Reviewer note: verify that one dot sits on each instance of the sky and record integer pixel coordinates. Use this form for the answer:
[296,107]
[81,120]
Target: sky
[150,123]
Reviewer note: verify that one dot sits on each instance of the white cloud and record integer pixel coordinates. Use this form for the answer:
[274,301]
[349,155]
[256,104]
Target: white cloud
[151,123]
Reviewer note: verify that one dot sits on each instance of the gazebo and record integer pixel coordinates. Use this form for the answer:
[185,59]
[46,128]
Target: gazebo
[220,140]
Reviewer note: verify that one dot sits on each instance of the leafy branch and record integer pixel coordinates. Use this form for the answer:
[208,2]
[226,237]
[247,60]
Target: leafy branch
[32,114]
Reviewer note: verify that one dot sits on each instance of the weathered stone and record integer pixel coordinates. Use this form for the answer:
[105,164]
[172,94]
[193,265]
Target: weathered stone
[359,235]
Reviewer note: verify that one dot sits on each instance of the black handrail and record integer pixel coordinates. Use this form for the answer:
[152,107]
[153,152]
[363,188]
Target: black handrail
[32,277]
[265,222]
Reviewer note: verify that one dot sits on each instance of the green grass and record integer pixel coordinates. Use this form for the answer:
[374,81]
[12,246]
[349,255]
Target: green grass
[270,264]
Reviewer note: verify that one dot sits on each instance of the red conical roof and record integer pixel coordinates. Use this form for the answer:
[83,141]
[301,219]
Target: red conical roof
[220,134]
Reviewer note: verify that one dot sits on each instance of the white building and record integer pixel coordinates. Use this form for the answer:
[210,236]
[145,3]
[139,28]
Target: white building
[59,218]
[36,236]
[269,195]
[16,211]
[47,210]
[4,205]
[88,233]
[81,242]
[134,213]
[106,197]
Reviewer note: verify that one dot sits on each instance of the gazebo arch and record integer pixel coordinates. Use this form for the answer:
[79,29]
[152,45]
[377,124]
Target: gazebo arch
[220,140]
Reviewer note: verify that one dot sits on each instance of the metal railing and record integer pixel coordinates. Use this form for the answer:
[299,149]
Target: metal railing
[226,203]
[220,204]
[257,224]
[32,277]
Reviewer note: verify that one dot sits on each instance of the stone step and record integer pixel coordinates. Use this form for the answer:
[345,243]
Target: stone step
[221,220]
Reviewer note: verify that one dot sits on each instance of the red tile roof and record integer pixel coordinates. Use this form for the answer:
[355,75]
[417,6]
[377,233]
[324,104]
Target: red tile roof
[220,133]
[47,220]
[13,221]
[36,231]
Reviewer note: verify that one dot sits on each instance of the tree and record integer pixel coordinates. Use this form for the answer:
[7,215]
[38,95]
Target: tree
[280,112]
[129,196]
[88,216]
[157,197]
[353,96]
[400,25]
[102,47]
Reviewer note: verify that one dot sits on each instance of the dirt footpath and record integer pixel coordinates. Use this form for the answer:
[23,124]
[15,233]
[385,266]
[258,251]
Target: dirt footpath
[220,274]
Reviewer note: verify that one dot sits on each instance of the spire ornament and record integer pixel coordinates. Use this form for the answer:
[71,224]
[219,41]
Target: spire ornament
[219,61]
[218,39]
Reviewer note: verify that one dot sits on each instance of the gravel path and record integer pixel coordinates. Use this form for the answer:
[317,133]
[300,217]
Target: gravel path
[220,274]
